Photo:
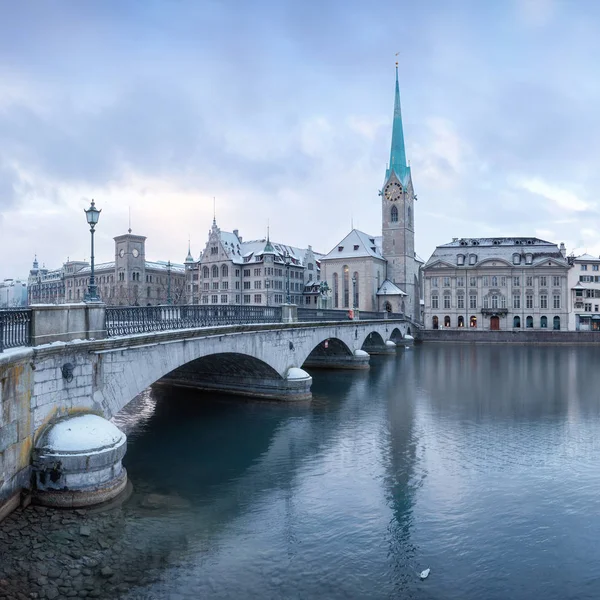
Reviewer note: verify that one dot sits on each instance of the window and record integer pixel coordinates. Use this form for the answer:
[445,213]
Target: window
[215,271]
[516,301]
[257,285]
[494,301]
[223,298]
[446,281]
[486,281]
[336,298]
[494,281]
[529,322]
[214,250]
[434,282]
[225,285]
[393,215]
[556,301]
[460,282]
[528,259]
[556,323]
[409,219]
[224,271]
[543,281]
[543,301]
[544,322]
[215,285]
[486,302]
[257,298]
[237,273]
[502,301]
[517,322]
[206,285]
[594,267]
[516,259]
[584,267]
[586,307]
[446,301]
[355,286]
[460,259]
[435,301]
[556,281]
[346,285]
[214,299]
[502,281]
[529,281]
[529,301]
[516,282]
[472,259]
[472,301]
[257,273]
[460,301]
[473,322]
[204,299]
[461,321]
[446,321]
[473,281]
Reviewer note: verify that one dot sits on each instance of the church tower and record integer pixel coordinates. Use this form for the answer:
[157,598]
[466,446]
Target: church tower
[398,229]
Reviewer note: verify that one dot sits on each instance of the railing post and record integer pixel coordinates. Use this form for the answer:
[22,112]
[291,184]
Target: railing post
[1,332]
[289,313]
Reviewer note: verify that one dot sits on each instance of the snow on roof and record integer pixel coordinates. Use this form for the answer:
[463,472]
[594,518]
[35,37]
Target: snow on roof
[587,257]
[357,244]
[108,266]
[388,288]
[164,266]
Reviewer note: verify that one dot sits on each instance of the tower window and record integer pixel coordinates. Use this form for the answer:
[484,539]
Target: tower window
[409,217]
[394,215]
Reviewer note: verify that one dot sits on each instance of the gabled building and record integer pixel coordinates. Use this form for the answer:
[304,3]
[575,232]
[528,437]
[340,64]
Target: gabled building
[360,265]
[257,272]
[497,283]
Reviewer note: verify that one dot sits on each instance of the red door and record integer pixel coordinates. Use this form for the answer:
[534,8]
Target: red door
[495,323]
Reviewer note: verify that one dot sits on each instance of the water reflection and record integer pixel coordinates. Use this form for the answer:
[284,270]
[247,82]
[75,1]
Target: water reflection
[478,461]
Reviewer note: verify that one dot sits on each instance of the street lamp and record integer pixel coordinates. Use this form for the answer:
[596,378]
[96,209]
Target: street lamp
[92,214]
[169,282]
[287,259]
[267,286]
[353,291]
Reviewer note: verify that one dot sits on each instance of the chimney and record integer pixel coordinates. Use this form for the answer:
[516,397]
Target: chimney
[563,250]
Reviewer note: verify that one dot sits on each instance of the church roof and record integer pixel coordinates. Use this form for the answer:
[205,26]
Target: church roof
[398,153]
[388,288]
[356,244]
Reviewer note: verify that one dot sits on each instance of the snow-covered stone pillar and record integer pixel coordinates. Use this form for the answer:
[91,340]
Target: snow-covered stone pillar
[77,462]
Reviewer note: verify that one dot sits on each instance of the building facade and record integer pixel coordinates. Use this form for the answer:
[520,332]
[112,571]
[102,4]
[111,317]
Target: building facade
[377,273]
[258,272]
[129,280]
[497,284]
[13,293]
[584,291]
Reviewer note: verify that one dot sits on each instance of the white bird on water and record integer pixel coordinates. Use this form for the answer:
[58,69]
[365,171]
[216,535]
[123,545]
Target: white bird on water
[424,574]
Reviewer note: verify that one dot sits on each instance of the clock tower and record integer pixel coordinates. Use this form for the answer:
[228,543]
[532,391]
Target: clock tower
[130,261]
[397,218]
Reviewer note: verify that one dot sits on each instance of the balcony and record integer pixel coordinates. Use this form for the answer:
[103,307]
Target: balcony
[500,312]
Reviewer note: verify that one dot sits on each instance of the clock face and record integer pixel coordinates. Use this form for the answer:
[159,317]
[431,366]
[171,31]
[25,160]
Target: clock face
[135,253]
[121,253]
[393,191]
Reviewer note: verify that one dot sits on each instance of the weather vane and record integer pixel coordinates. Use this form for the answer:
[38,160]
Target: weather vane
[397,58]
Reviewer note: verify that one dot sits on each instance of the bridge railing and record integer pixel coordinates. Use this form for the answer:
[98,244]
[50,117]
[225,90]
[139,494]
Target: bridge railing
[336,314]
[124,320]
[15,328]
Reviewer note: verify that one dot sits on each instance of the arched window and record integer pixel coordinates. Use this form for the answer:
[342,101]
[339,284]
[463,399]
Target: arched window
[446,321]
[473,322]
[556,323]
[355,288]
[409,217]
[544,322]
[215,271]
[346,285]
[205,272]
[517,322]
[529,322]
[224,271]
[394,214]
[461,321]
[435,323]
[336,291]
[516,259]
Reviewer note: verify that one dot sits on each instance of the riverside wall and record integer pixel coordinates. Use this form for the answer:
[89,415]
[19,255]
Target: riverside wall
[534,336]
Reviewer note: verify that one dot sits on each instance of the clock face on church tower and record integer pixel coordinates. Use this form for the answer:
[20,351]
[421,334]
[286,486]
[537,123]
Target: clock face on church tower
[393,191]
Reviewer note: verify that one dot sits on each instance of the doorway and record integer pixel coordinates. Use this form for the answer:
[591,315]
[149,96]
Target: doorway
[495,323]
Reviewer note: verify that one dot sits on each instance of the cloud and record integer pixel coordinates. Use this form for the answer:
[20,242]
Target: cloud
[562,198]
[536,13]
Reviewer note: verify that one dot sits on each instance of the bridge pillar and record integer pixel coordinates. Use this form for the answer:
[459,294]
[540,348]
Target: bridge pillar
[77,462]
[358,360]
[294,386]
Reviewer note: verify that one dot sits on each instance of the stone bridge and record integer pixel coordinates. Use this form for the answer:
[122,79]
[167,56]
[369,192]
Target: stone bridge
[55,397]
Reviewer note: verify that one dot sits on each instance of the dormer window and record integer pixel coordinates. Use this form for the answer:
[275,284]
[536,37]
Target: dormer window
[356,246]
[496,242]
[516,259]
[460,259]
[472,259]
[463,243]
[529,242]
[475,243]
[528,258]
[340,248]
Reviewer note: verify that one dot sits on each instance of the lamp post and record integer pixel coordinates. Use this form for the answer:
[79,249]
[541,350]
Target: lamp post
[267,286]
[353,291]
[287,259]
[169,282]
[92,214]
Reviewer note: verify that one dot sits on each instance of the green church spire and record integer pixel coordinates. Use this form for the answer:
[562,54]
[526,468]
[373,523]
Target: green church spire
[398,153]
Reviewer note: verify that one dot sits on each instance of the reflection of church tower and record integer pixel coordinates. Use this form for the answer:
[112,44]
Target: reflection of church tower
[397,203]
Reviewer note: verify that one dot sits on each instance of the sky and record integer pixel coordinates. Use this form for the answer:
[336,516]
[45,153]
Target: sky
[281,111]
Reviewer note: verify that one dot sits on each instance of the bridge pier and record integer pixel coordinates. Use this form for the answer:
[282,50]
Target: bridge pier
[321,360]
[293,388]
[77,462]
